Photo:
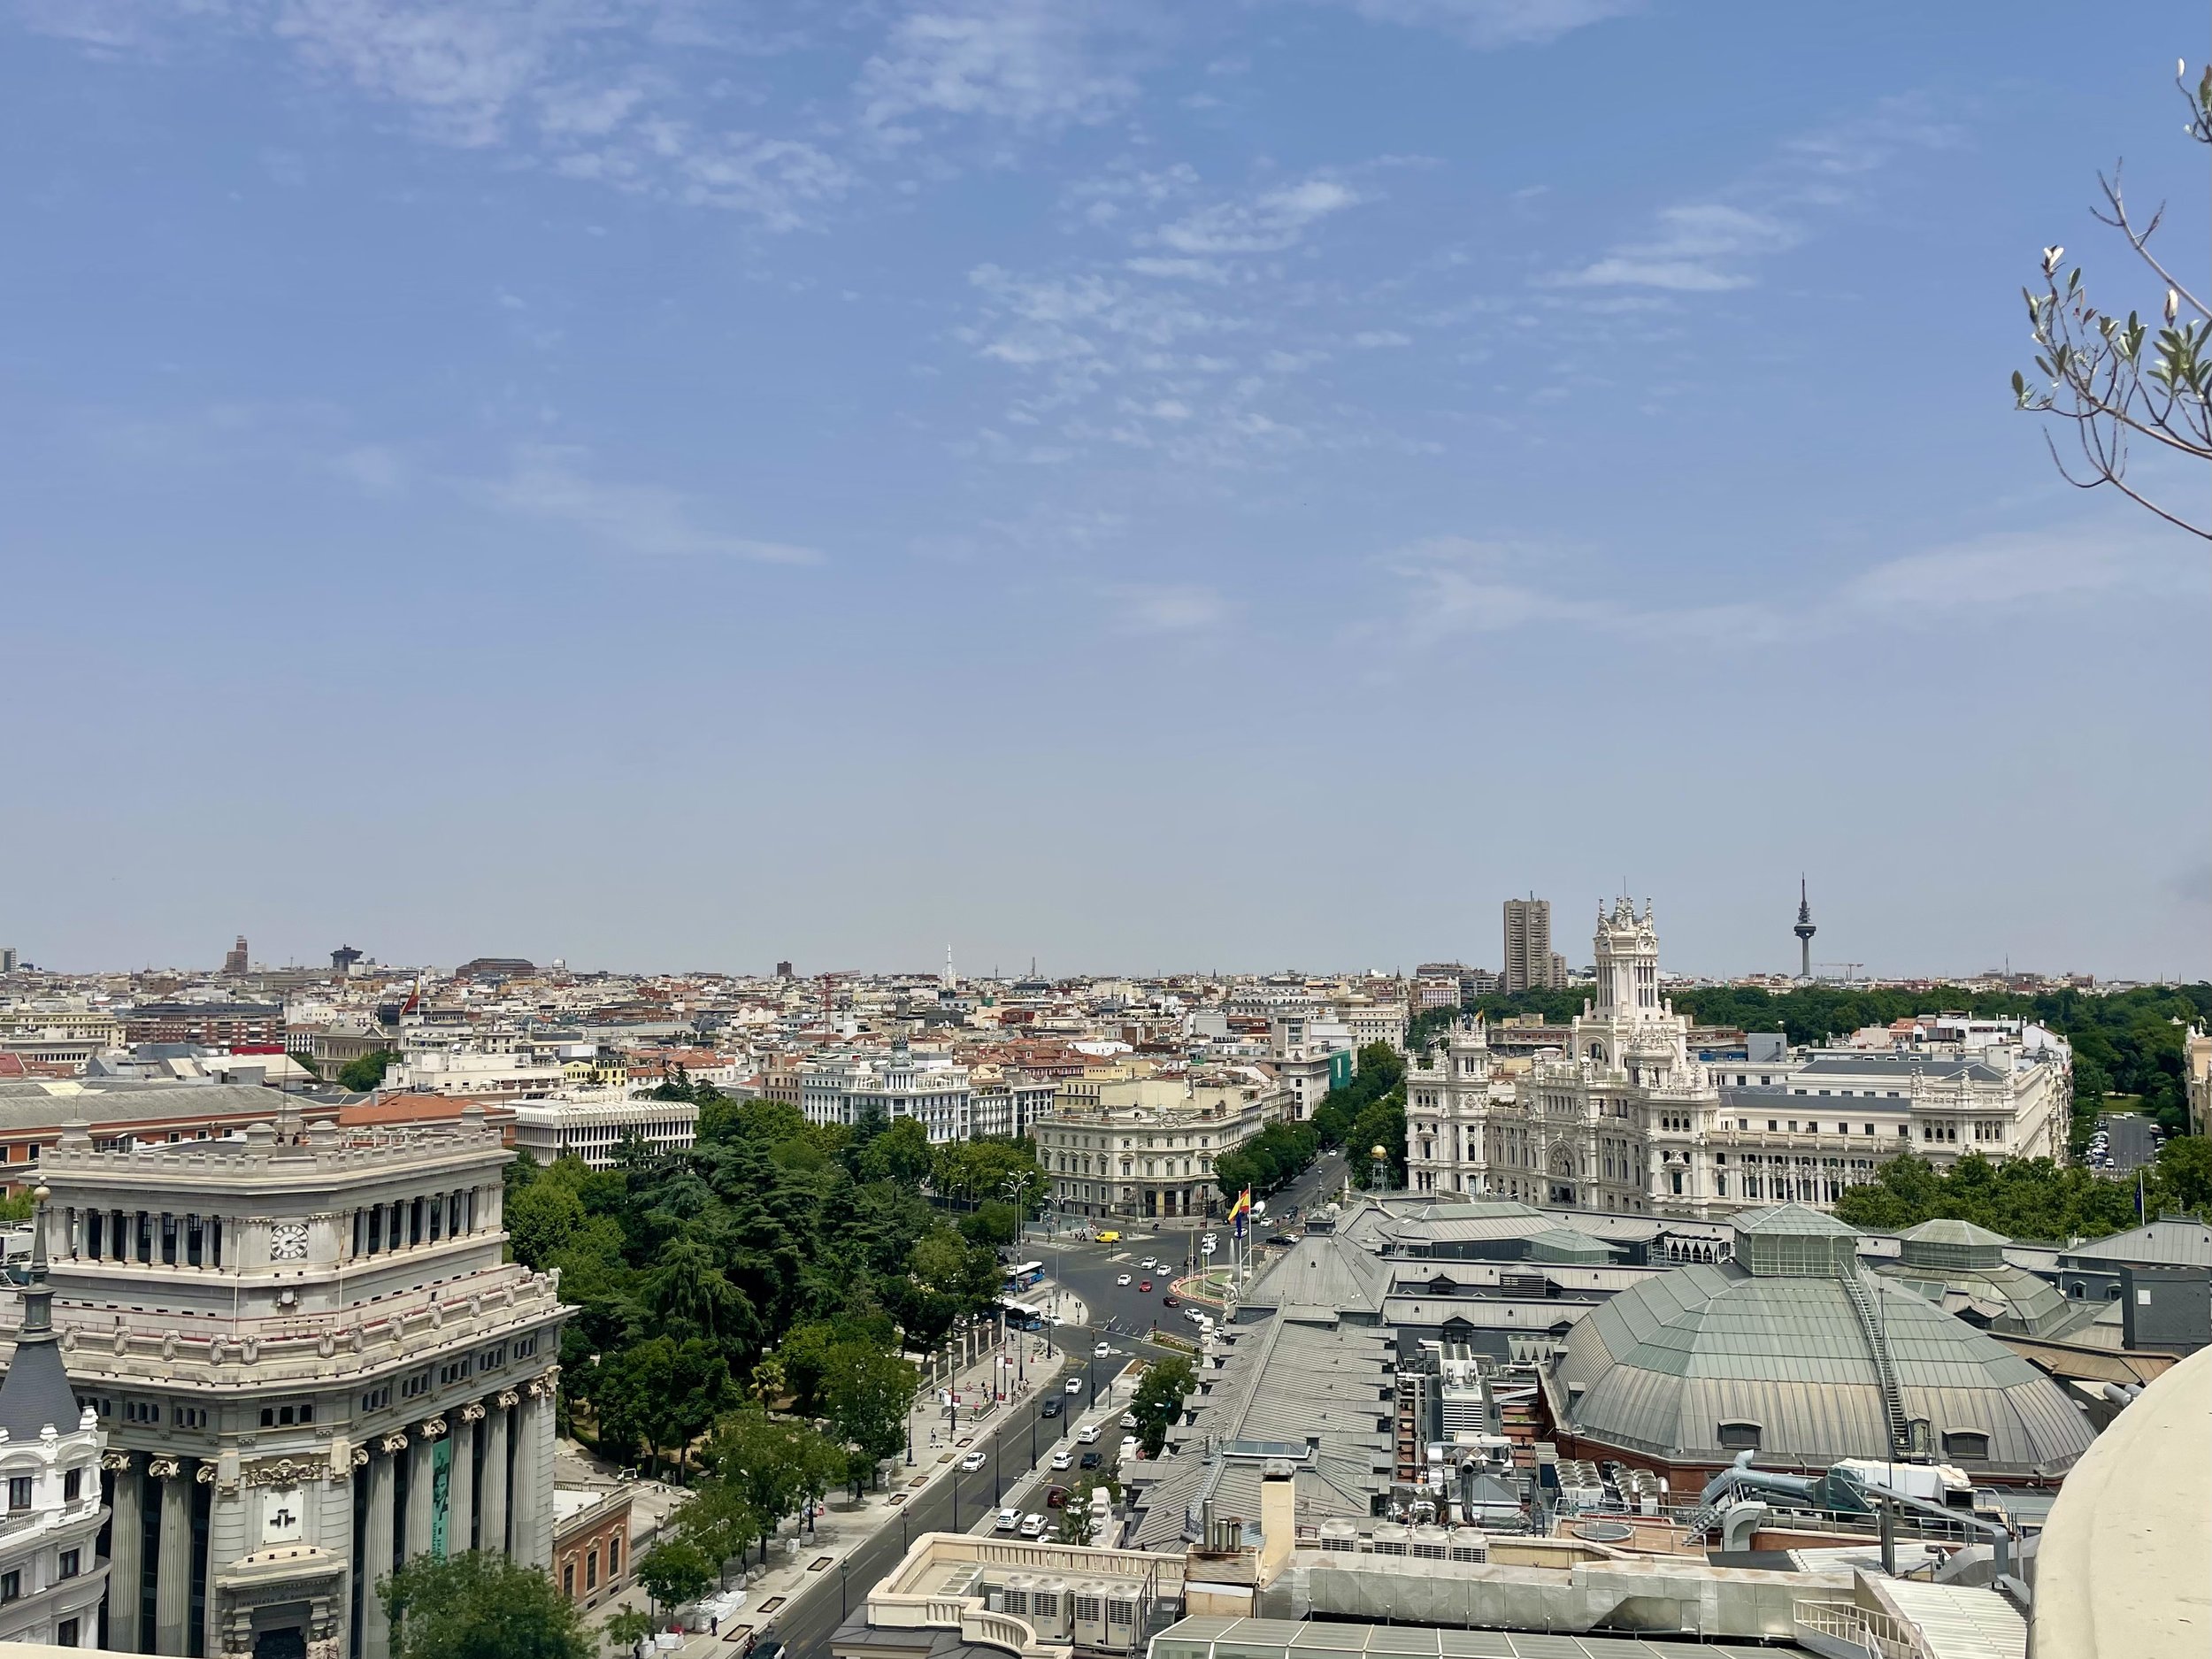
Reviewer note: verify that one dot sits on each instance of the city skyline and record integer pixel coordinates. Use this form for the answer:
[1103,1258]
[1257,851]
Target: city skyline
[642,485]
[237,955]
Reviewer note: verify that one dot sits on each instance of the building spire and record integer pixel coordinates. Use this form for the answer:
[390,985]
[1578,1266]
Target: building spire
[1804,929]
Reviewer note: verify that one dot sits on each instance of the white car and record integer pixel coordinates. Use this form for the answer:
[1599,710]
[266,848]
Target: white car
[1007,1521]
[1033,1526]
[1075,1385]
[1104,1350]
[1088,1434]
[1149,1264]
[1129,1419]
[1062,1460]
[1194,1316]
[1124,1279]
[972,1461]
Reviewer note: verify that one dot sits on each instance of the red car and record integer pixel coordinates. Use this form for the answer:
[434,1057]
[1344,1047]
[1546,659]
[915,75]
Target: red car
[1167,1301]
[1144,1284]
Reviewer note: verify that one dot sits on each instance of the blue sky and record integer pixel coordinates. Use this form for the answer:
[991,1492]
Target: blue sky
[1140,485]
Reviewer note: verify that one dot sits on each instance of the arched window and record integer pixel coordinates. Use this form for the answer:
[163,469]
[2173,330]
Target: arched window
[1966,1443]
[1739,1436]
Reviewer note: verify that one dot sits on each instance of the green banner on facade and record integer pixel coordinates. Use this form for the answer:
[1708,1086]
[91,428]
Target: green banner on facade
[441,1493]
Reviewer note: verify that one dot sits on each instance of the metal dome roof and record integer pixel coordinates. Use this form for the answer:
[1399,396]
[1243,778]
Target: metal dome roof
[1699,1362]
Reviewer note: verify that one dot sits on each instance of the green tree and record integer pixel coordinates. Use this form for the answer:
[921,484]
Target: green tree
[992,1224]
[673,1572]
[869,1394]
[1159,1401]
[365,1072]
[476,1606]
[627,1628]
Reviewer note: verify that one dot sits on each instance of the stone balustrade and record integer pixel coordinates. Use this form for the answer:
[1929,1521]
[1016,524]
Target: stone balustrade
[157,1347]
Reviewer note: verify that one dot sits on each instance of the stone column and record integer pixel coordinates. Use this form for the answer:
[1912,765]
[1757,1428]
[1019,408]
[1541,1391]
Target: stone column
[532,1545]
[126,1552]
[376,1546]
[421,1477]
[172,1567]
[494,1496]
[461,1494]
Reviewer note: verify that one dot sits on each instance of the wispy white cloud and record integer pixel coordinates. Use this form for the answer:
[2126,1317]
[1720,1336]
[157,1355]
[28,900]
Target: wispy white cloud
[1032,63]
[550,485]
[1169,608]
[1490,24]
[1716,246]
[1268,222]
[1454,586]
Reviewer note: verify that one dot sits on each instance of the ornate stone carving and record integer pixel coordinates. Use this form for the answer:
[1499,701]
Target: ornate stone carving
[115,1462]
[284,1472]
[169,1341]
[431,1428]
[326,1648]
[392,1444]
[508,1397]
[360,1457]
[122,1339]
[473,1412]
[164,1468]
[204,1474]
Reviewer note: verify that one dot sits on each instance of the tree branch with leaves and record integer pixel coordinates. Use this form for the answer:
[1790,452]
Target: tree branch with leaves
[2111,384]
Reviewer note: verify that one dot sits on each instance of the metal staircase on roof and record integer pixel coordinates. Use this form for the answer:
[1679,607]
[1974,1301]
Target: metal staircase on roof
[1893,1396]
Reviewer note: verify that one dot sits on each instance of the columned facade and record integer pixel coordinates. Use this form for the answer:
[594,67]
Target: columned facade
[309,1356]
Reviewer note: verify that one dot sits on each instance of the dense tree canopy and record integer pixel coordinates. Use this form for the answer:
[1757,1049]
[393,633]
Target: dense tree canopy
[1159,1401]
[2030,1198]
[366,1072]
[476,1606]
[776,1263]
[1368,1112]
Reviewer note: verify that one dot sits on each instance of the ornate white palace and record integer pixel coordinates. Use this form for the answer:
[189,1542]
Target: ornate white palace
[1626,1118]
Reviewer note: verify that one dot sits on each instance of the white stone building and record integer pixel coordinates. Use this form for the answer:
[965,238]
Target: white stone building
[1145,1148]
[1624,1118]
[929,1088]
[312,1362]
[53,1583]
[593,1124]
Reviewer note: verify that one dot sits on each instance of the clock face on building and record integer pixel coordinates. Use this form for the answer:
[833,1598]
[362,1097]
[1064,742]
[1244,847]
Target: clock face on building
[287,1241]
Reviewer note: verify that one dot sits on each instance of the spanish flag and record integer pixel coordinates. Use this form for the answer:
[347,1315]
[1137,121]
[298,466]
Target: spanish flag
[1239,1210]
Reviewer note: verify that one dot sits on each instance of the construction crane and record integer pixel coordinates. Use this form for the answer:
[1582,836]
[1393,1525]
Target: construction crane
[829,988]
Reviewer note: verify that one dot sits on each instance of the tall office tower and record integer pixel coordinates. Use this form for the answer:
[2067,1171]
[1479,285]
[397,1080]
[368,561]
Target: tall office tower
[312,1365]
[234,959]
[1528,958]
[8,958]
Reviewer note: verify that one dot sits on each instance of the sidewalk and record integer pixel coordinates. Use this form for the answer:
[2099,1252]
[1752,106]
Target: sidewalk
[794,1553]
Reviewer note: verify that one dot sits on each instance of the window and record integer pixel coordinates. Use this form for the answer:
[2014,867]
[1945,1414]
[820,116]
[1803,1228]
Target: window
[284,1416]
[568,1579]
[10,1585]
[72,1563]
[377,1398]
[188,1417]
[1965,1443]
[142,1411]
[614,1553]
[1739,1436]
[19,1493]
[591,1571]
[72,1484]
[65,1634]
[414,1388]
[525,1347]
